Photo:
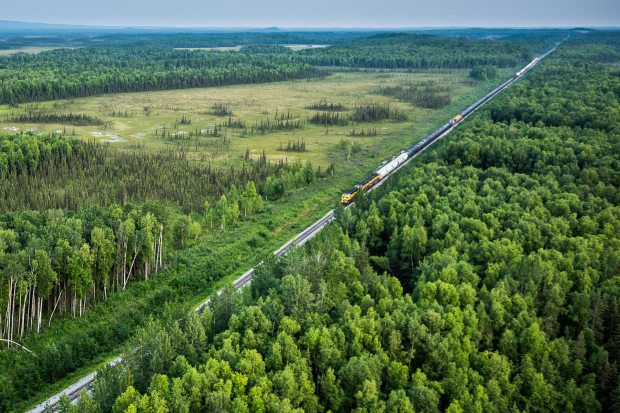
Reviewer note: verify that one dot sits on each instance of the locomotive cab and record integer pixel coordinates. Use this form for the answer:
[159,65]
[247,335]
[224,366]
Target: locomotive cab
[456,119]
[349,196]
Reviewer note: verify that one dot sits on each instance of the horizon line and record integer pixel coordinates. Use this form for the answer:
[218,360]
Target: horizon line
[292,28]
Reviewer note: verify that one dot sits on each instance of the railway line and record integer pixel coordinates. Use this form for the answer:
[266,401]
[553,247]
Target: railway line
[388,169]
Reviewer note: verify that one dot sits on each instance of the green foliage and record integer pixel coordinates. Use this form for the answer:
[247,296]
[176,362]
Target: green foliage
[329,119]
[428,95]
[67,73]
[483,72]
[45,172]
[377,112]
[38,116]
[325,105]
[421,51]
[221,109]
[505,292]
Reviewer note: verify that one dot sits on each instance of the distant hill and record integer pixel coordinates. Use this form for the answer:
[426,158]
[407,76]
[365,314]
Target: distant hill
[14,26]
[17,26]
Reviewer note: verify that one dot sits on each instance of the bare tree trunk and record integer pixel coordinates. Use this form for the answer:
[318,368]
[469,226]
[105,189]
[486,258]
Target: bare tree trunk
[124,263]
[8,311]
[153,264]
[22,313]
[65,301]
[49,323]
[133,261]
[12,309]
[73,303]
[9,342]
[19,314]
[33,307]
[40,314]
[155,254]
[161,245]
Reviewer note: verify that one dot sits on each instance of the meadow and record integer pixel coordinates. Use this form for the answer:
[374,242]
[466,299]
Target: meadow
[140,119]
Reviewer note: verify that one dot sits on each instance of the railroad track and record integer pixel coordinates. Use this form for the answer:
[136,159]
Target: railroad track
[86,383]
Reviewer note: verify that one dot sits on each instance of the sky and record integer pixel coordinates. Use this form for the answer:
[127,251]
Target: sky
[317,13]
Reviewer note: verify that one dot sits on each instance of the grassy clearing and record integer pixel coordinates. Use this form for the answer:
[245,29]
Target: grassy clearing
[133,118]
[29,50]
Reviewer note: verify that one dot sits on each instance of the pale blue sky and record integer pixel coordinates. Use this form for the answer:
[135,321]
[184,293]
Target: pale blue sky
[317,13]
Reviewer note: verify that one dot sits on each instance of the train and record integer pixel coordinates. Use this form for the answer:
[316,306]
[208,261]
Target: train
[526,68]
[389,166]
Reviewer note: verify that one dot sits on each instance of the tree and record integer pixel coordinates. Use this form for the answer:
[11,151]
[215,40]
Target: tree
[79,269]
[274,188]
[110,382]
[104,253]
[414,243]
[185,228]
[374,223]
[208,212]
[331,391]
[148,239]
[250,200]
[221,210]
[46,279]
[308,173]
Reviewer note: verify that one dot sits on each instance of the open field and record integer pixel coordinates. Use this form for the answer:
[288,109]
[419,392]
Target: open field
[136,118]
[28,50]
[294,47]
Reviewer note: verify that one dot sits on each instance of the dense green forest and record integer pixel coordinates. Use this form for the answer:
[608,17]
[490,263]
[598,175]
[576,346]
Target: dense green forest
[159,38]
[81,221]
[485,279]
[417,51]
[65,73]
[50,172]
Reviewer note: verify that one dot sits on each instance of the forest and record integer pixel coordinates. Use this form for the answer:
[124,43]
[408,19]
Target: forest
[53,172]
[83,221]
[71,73]
[158,38]
[485,278]
[422,51]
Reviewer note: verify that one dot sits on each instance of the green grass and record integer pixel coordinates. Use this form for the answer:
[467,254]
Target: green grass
[250,103]
[278,223]
[29,50]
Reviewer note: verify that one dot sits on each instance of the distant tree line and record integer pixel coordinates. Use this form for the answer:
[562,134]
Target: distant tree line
[63,73]
[429,95]
[419,51]
[76,119]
